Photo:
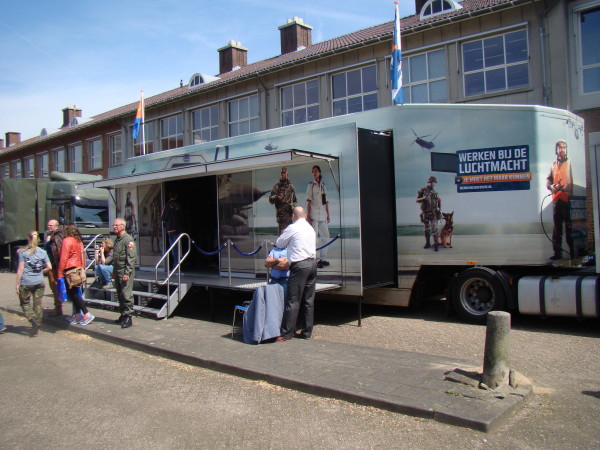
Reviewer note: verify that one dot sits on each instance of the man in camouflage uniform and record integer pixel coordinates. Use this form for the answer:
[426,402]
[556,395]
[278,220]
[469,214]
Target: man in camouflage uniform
[283,196]
[124,261]
[431,205]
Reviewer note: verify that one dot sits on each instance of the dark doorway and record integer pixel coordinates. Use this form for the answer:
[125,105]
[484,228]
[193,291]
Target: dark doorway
[377,208]
[198,199]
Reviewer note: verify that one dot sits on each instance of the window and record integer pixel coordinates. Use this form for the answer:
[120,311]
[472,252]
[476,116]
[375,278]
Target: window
[115,150]
[30,167]
[4,171]
[144,143]
[300,103]
[95,154]
[496,64]
[354,91]
[17,169]
[205,124]
[171,132]
[436,7]
[589,57]
[243,116]
[42,165]
[425,77]
[60,162]
[76,158]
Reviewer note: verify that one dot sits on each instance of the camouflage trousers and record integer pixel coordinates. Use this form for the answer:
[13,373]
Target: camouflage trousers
[431,228]
[32,308]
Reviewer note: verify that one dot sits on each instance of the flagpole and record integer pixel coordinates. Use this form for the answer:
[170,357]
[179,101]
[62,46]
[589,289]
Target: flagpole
[143,125]
[396,62]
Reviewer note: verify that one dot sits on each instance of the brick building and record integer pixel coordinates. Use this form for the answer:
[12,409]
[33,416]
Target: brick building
[543,52]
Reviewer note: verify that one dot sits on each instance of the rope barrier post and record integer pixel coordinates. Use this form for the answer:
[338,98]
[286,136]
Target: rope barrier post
[229,259]
[266,256]
[360,298]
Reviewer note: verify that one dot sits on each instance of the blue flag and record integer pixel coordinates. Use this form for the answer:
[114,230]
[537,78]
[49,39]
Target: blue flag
[139,118]
[396,66]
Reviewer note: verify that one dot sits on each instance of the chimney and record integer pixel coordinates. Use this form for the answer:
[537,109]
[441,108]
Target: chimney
[1,144]
[12,138]
[232,56]
[69,113]
[295,35]
[419,6]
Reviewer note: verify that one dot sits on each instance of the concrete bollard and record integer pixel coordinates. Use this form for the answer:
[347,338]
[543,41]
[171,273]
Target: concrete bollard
[496,364]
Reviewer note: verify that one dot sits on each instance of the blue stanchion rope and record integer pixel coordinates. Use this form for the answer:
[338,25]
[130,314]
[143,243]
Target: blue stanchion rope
[208,253]
[235,247]
[329,243]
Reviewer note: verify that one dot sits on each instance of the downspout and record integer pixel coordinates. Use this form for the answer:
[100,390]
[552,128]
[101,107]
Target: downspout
[542,30]
[266,101]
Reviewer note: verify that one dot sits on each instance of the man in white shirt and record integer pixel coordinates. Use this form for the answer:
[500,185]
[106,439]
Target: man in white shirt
[301,242]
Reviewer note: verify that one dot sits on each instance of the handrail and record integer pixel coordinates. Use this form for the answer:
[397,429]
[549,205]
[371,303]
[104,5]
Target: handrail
[177,267]
[92,242]
[181,258]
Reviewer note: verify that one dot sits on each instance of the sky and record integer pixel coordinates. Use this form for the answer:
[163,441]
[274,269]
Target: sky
[99,55]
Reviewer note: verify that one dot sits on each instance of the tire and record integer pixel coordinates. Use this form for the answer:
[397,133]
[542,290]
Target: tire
[475,293]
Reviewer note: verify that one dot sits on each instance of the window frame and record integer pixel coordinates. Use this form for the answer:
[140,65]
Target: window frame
[428,81]
[299,111]
[17,168]
[43,165]
[4,171]
[137,142]
[212,129]
[350,100]
[487,72]
[173,136]
[55,160]
[427,10]
[75,162]
[580,99]
[252,121]
[115,155]
[94,154]
[29,166]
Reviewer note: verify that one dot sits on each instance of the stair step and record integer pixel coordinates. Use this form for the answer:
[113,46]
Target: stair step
[139,308]
[137,293]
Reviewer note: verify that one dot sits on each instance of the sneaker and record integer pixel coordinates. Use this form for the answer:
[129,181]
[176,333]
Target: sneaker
[3,330]
[108,286]
[87,319]
[75,318]
[325,263]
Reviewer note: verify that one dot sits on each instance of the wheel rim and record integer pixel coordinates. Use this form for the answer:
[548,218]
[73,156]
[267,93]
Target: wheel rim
[477,296]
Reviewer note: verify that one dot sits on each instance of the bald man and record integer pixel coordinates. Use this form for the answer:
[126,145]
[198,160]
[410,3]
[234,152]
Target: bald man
[52,246]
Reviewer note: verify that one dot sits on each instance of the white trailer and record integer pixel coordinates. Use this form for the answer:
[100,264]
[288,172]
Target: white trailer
[491,164]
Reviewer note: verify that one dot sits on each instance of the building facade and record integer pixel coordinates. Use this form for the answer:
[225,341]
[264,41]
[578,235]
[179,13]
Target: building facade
[543,52]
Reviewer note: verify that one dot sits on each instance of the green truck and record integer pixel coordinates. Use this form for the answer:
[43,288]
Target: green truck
[27,204]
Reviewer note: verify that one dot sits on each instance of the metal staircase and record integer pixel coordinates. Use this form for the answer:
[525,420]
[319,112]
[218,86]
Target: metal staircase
[152,296]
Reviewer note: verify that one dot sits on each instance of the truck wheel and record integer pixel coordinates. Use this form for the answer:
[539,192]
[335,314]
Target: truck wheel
[476,292]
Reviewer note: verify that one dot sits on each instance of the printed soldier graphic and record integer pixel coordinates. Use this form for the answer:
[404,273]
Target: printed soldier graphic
[283,196]
[431,206]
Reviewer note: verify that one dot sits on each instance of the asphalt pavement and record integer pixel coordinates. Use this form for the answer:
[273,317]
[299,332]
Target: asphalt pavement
[433,387]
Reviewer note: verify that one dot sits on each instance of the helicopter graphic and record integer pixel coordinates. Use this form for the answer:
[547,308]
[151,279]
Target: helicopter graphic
[424,143]
[270,147]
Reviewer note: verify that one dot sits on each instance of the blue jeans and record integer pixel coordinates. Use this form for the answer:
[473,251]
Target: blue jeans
[104,273]
[172,238]
[1,321]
